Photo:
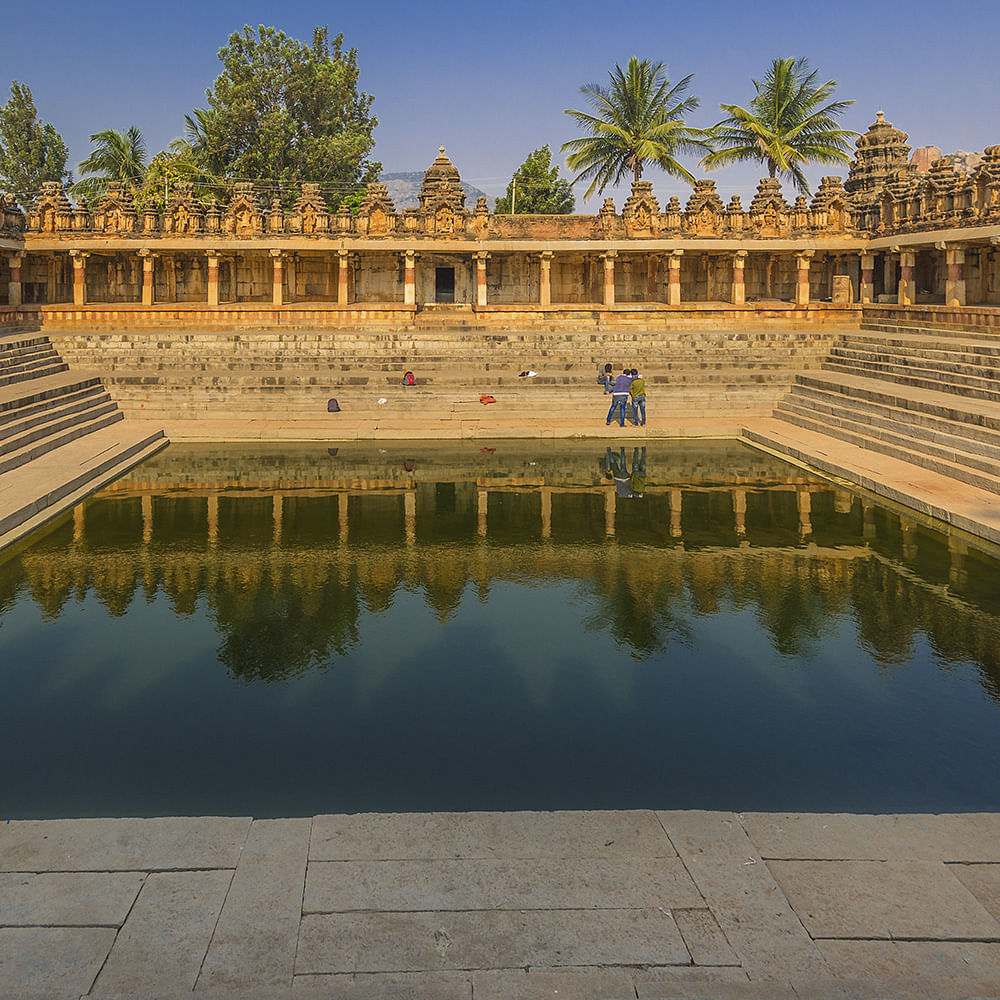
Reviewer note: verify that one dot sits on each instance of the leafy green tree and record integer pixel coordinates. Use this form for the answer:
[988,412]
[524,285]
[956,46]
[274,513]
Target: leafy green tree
[117,156]
[790,122]
[638,119]
[286,111]
[30,152]
[537,189]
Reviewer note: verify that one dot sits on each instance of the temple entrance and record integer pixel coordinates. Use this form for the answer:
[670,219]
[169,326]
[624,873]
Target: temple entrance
[444,284]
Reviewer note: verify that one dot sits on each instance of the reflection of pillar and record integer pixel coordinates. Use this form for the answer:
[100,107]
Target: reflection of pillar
[804,503]
[610,497]
[410,515]
[482,505]
[342,501]
[954,287]
[802,277]
[740,511]
[278,282]
[148,260]
[546,497]
[676,503]
[609,276]
[909,530]
[14,284]
[342,276]
[79,277]
[867,277]
[868,517]
[907,294]
[213,519]
[674,278]
[739,294]
[409,277]
[278,508]
[545,278]
[213,278]
[842,501]
[78,524]
[147,518]
[958,575]
[481,259]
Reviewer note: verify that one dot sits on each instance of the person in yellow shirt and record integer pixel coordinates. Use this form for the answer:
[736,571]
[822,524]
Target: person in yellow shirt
[637,390]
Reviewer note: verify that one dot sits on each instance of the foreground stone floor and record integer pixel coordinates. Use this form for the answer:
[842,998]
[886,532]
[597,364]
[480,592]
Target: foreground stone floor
[503,905]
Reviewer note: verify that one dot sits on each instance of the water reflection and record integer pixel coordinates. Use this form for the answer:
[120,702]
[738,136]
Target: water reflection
[544,587]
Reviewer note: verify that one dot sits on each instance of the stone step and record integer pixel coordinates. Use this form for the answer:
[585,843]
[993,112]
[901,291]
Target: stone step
[36,449]
[16,398]
[33,369]
[39,491]
[929,329]
[951,448]
[859,438]
[912,418]
[14,437]
[984,413]
[12,356]
[921,363]
[900,375]
[17,420]
[947,348]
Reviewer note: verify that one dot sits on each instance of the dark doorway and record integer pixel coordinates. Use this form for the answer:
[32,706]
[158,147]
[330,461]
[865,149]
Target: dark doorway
[444,284]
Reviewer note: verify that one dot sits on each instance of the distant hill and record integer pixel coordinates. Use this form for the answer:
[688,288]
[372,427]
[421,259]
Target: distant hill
[404,189]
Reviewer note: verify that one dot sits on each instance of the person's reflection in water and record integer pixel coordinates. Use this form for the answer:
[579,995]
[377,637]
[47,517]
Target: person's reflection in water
[628,485]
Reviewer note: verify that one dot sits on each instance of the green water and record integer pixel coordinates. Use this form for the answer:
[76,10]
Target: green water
[283,631]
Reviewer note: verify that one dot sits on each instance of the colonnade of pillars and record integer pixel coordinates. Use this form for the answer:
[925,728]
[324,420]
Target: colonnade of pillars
[347,261]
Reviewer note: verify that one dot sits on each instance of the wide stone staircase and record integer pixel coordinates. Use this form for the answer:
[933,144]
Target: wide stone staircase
[927,396]
[248,379]
[61,434]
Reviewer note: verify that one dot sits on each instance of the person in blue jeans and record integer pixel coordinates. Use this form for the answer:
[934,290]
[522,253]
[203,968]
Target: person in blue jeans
[619,396]
[637,390]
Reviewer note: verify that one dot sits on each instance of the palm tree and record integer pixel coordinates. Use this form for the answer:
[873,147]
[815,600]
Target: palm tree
[790,122]
[117,156]
[639,119]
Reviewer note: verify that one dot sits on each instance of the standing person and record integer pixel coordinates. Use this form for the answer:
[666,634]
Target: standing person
[637,390]
[606,378]
[619,396]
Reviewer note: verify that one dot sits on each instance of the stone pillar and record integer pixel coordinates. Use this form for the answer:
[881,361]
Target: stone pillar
[609,276]
[739,294]
[343,276]
[867,277]
[213,277]
[740,511]
[954,288]
[545,278]
[410,277]
[907,279]
[79,277]
[481,259]
[651,265]
[52,267]
[148,260]
[14,286]
[674,277]
[277,286]
[802,277]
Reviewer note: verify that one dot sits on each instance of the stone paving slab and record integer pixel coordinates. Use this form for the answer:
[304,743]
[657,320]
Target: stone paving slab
[81,899]
[883,899]
[479,884]
[52,961]
[410,836]
[752,911]
[832,836]
[704,938]
[398,942]
[983,881]
[255,940]
[386,986]
[563,984]
[121,844]
[167,932]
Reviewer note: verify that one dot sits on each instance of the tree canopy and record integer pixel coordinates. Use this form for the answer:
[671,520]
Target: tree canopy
[638,119]
[537,189]
[116,156]
[790,122]
[30,152]
[286,111]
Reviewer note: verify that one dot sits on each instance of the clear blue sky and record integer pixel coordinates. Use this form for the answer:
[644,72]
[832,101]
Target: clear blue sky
[490,81]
